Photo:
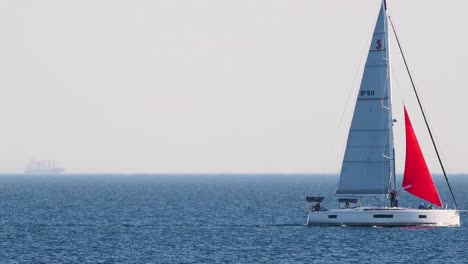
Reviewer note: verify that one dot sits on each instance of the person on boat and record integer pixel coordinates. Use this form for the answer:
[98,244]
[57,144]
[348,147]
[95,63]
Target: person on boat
[346,205]
[394,199]
[317,207]
[422,206]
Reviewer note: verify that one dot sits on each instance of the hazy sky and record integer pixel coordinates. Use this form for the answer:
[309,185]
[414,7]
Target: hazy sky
[217,86]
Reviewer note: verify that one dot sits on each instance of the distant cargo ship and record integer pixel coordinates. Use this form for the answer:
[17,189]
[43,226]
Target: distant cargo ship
[43,167]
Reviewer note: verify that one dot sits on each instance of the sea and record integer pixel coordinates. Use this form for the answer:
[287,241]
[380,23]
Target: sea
[204,219]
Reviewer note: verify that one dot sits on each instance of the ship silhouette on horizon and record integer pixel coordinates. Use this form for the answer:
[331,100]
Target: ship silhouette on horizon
[43,167]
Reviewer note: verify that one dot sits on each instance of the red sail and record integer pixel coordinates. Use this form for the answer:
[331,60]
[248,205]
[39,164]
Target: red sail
[417,179]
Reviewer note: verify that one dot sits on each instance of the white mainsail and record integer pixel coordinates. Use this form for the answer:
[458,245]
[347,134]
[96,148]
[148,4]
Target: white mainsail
[368,160]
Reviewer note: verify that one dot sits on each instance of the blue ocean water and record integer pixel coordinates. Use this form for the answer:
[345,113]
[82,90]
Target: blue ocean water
[202,219]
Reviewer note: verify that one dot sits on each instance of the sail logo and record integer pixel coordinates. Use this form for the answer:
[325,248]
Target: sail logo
[379,44]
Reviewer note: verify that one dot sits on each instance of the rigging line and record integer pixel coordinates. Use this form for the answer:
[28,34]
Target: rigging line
[422,111]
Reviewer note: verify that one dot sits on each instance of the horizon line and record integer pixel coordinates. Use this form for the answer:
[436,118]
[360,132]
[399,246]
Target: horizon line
[202,174]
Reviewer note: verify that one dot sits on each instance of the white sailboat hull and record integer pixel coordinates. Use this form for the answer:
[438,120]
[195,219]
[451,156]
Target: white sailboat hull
[376,216]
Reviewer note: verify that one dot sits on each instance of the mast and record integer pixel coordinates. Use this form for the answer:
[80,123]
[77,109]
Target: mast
[422,110]
[393,189]
[391,138]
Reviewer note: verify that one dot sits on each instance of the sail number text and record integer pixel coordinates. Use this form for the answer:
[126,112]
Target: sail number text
[367,93]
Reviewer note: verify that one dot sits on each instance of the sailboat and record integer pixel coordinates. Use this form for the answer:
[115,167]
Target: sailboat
[368,167]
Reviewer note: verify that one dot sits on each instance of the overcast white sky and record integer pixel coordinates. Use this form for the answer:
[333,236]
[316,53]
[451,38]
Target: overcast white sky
[214,85]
